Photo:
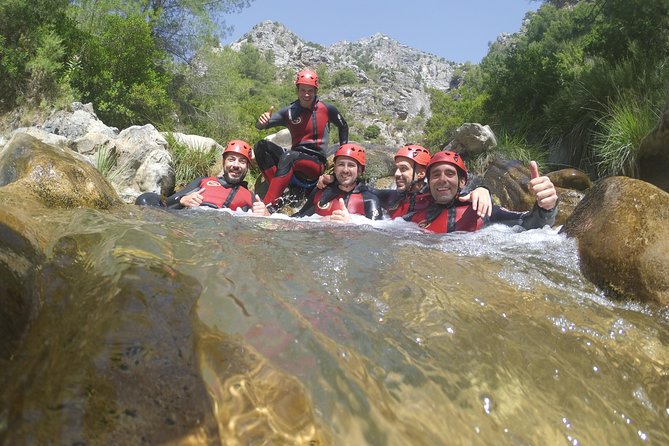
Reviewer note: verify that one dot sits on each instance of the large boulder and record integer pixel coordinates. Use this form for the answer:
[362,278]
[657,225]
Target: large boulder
[472,139]
[281,138]
[76,122]
[570,179]
[623,238]
[143,163]
[58,177]
[137,158]
[35,176]
[104,334]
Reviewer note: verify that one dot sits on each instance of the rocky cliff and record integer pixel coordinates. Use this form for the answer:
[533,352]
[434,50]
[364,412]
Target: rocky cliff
[385,84]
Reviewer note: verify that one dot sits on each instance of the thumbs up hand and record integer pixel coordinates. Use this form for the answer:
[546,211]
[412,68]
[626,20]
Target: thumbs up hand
[542,188]
[341,214]
[264,118]
[259,208]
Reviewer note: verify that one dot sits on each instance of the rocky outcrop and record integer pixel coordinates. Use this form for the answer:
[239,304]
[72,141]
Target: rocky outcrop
[194,142]
[391,79]
[137,158]
[143,163]
[623,238]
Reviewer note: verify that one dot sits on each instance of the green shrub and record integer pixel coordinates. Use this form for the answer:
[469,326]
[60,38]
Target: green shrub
[372,132]
[344,77]
[621,129]
[511,147]
[106,161]
[189,163]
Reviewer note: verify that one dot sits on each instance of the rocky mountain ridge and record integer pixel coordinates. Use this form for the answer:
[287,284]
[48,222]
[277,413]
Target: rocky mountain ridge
[389,89]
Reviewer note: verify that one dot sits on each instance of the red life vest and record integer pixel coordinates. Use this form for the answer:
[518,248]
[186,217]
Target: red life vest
[409,203]
[461,217]
[355,205]
[219,193]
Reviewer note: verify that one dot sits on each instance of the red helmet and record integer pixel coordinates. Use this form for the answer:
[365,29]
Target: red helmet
[420,155]
[307,77]
[450,158]
[353,151]
[239,146]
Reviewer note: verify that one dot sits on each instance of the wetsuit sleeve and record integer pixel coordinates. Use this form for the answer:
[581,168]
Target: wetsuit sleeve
[172,201]
[534,219]
[372,205]
[388,197]
[277,119]
[337,119]
[309,207]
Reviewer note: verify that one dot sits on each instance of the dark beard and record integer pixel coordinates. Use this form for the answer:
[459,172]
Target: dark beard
[231,181]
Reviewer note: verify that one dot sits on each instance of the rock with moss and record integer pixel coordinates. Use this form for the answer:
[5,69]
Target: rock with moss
[57,177]
[623,238]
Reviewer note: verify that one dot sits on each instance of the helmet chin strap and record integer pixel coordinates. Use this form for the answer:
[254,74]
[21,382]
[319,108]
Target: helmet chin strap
[413,178]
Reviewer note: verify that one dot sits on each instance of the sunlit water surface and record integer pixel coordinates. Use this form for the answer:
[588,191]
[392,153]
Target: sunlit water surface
[398,337]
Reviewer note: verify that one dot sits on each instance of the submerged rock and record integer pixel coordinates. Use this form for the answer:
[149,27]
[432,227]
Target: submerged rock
[623,238]
[99,338]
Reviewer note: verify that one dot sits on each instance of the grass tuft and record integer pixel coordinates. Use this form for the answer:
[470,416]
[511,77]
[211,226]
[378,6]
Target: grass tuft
[621,128]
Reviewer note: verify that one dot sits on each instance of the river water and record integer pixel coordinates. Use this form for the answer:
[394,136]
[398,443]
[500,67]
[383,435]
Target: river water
[382,334]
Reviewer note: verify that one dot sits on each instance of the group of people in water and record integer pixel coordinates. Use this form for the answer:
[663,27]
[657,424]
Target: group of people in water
[429,188]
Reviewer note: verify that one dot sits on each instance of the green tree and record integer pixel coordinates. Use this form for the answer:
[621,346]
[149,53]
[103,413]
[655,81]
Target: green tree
[452,109]
[555,80]
[180,27]
[121,72]
[344,77]
[32,49]
[224,96]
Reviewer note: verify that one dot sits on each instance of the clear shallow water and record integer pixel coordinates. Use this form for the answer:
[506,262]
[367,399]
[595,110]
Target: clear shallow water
[382,334]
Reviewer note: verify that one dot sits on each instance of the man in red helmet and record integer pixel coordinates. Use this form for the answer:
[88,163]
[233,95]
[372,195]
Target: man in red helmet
[346,195]
[229,191]
[411,188]
[308,120]
[447,175]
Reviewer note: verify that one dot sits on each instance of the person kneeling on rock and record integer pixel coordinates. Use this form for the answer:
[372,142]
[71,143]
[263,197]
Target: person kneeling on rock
[229,191]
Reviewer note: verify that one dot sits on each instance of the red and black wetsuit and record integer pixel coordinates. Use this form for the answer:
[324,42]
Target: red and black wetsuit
[459,216]
[359,201]
[218,193]
[309,130]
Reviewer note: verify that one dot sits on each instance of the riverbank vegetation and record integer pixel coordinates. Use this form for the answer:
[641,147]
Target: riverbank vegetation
[580,84]
[584,80]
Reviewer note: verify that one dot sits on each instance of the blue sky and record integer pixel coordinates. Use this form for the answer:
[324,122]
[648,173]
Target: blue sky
[457,30]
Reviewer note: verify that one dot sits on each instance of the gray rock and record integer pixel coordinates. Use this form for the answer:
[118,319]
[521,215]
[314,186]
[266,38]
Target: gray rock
[473,139]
